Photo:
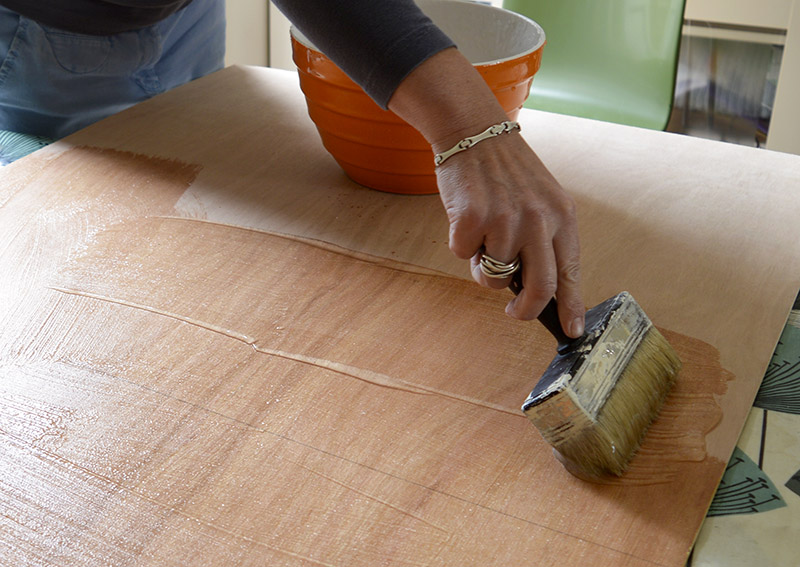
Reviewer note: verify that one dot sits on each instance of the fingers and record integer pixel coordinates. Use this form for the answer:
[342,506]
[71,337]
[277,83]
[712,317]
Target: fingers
[476,228]
[552,268]
[539,281]
[558,274]
[488,270]
[571,309]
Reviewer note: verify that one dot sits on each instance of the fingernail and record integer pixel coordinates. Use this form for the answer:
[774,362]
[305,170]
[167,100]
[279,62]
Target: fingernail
[576,327]
[510,310]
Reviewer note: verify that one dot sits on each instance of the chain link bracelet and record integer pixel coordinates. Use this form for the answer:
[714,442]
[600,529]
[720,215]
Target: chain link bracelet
[467,143]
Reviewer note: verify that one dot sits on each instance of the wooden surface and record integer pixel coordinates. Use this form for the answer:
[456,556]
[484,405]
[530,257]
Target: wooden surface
[216,350]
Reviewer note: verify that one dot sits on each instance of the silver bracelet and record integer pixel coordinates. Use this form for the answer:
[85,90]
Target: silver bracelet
[467,143]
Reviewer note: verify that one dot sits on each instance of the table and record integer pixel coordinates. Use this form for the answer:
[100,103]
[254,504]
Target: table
[215,349]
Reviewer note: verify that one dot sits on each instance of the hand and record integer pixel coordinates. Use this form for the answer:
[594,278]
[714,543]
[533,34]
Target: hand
[498,194]
[500,198]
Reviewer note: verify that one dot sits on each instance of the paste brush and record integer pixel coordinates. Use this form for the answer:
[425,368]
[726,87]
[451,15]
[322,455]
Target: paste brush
[600,393]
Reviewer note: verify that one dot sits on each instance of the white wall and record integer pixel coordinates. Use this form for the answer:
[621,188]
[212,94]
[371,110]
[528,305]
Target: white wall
[784,128]
[280,47]
[757,13]
[246,32]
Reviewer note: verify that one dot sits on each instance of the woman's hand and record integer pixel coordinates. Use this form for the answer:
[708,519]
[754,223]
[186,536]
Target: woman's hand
[500,198]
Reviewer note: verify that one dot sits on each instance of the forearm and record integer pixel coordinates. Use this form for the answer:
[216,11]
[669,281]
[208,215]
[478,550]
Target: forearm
[446,99]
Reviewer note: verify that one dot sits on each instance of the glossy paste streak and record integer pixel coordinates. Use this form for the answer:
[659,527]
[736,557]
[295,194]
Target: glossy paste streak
[362,374]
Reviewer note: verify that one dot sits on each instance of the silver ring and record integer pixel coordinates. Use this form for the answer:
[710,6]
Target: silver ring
[493,268]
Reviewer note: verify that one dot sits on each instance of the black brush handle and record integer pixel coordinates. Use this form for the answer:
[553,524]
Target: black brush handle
[548,317]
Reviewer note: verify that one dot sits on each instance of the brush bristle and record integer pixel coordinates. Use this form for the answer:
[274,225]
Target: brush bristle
[607,445]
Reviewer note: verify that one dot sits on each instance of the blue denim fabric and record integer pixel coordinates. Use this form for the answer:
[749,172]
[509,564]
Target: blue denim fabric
[53,83]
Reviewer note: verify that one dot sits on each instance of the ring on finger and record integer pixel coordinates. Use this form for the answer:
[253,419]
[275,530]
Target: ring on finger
[493,268]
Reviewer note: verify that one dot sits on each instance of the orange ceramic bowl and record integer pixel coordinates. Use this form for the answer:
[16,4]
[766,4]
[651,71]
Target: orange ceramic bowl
[378,149]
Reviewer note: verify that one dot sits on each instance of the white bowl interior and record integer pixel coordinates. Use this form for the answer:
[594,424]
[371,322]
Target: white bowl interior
[484,34]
